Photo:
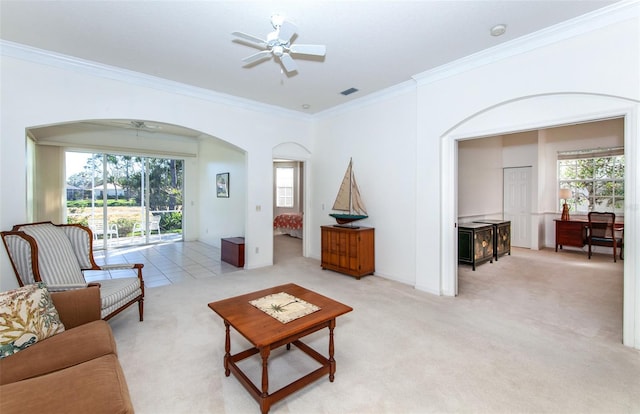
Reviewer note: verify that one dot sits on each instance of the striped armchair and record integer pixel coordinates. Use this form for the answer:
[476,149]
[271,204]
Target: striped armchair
[58,254]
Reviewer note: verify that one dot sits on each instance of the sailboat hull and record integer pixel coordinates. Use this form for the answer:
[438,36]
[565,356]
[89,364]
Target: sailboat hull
[347,218]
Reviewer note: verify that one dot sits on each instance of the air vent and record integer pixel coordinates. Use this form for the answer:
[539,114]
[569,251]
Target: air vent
[349,91]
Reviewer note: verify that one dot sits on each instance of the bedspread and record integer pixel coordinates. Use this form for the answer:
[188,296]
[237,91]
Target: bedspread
[289,223]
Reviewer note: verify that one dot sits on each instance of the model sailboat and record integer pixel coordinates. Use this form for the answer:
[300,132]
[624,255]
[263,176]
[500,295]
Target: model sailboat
[348,199]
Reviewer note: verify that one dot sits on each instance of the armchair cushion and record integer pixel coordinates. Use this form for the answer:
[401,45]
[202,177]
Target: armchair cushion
[27,315]
[117,292]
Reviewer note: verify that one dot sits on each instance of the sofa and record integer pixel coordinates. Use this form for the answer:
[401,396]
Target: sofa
[75,371]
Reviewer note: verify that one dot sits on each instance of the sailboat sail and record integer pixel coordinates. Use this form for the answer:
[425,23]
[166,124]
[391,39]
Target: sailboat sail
[348,199]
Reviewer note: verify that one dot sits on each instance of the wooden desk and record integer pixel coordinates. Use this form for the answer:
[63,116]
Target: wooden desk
[571,233]
[266,333]
[574,233]
[232,251]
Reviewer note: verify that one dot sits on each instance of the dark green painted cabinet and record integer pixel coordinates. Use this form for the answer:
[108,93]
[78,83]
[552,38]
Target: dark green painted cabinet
[501,237]
[475,243]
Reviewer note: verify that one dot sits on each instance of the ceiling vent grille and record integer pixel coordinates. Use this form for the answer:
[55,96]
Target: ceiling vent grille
[349,91]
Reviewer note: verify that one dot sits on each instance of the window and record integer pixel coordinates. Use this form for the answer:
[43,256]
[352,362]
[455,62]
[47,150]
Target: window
[284,186]
[120,193]
[595,178]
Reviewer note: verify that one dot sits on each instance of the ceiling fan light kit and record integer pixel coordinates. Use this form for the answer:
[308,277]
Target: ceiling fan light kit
[278,45]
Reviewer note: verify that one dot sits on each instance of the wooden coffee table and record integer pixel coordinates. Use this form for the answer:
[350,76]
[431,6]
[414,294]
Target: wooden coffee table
[265,333]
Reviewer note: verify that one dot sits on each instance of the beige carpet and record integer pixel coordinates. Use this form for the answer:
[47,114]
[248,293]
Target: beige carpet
[535,332]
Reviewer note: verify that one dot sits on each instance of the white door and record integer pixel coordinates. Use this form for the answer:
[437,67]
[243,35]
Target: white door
[517,204]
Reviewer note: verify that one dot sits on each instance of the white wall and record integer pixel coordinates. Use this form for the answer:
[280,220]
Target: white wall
[221,217]
[480,179]
[42,91]
[379,136]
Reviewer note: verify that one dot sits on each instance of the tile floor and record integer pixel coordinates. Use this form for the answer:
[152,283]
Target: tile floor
[164,263]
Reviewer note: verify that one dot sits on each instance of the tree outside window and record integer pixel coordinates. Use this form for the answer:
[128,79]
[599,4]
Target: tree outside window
[284,186]
[596,180]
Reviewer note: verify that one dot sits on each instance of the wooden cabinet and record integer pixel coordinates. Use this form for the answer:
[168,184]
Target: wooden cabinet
[232,251]
[501,237]
[475,243]
[348,250]
[571,233]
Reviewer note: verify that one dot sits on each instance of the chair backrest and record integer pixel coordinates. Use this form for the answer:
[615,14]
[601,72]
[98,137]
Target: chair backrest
[22,251]
[154,222]
[601,224]
[96,225]
[82,242]
[57,263]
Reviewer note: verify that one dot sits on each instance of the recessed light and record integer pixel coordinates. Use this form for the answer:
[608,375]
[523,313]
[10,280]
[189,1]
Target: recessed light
[306,106]
[498,30]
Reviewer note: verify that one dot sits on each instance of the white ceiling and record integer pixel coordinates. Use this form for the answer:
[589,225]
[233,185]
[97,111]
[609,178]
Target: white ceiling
[371,45]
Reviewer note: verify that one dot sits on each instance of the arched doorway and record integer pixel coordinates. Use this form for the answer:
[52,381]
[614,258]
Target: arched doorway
[535,112]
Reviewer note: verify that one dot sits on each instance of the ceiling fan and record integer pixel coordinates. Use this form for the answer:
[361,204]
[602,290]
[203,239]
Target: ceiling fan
[278,44]
[129,124]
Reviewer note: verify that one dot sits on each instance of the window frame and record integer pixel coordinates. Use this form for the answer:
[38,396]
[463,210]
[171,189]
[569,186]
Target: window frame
[599,192]
[289,191]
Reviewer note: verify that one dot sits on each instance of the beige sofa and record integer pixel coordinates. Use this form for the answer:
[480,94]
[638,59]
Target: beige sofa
[76,371]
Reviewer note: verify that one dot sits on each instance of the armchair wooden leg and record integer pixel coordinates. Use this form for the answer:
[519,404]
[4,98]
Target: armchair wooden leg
[141,309]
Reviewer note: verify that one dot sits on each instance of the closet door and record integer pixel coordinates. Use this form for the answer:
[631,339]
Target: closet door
[517,204]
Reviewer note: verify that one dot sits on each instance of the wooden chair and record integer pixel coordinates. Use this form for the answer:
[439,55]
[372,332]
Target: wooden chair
[601,232]
[59,254]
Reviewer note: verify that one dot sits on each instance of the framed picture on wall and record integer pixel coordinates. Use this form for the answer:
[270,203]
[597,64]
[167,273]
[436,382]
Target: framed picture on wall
[222,185]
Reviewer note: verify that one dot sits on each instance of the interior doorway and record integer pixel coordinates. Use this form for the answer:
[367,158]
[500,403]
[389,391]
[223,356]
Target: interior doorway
[288,207]
[525,114]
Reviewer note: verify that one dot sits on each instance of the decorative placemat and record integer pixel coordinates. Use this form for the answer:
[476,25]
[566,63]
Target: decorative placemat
[284,307]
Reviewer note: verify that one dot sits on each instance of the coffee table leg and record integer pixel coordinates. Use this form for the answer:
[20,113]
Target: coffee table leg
[227,349]
[265,404]
[332,362]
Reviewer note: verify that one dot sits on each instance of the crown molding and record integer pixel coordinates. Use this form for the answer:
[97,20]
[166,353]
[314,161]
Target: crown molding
[372,98]
[61,61]
[615,13]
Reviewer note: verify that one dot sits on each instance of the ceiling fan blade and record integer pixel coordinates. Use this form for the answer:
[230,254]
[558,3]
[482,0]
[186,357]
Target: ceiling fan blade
[257,56]
[288,63]
[250,38]
[286,31]
[316,50]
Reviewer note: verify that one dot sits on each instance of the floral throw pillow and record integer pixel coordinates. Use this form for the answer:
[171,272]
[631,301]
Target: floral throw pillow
[27,315]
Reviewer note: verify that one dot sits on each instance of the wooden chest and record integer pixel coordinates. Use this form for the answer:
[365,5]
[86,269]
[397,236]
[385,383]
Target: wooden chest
[232,251]
[348,250]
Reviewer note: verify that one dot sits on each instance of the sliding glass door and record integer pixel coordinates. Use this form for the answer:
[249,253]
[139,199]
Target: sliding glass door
[125,199]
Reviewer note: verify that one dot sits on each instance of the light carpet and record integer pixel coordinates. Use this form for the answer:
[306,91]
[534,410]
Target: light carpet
[535,332]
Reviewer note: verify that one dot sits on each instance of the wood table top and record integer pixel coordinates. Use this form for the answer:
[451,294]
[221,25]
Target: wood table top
[261,329]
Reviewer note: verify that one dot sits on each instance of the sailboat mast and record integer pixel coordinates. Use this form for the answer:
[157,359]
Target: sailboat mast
[350,185]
